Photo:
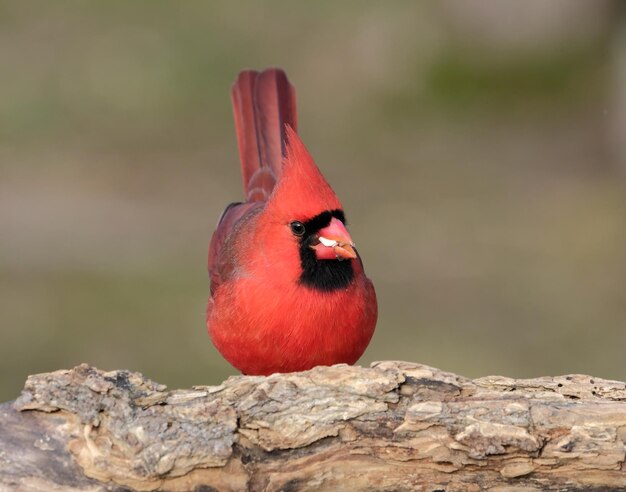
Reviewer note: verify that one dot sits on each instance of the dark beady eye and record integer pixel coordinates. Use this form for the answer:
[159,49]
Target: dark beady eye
[297,228]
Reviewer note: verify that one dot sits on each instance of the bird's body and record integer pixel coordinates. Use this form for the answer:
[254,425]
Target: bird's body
[288,290]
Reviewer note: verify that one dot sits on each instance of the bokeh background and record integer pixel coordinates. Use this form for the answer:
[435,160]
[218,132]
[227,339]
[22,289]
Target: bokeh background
[478,147]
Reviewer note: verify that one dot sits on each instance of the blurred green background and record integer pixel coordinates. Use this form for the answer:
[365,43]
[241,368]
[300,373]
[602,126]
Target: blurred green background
[478,148]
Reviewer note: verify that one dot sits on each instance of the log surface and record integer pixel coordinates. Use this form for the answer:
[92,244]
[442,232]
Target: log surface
[393,426]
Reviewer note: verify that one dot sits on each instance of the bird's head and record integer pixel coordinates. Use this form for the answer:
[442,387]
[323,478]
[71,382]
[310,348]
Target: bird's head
[308,223]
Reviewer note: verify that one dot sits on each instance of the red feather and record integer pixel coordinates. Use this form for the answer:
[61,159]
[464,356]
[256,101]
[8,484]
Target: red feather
[263,104]
[262,316]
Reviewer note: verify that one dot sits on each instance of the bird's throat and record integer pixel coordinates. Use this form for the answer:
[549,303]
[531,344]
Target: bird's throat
[324,275]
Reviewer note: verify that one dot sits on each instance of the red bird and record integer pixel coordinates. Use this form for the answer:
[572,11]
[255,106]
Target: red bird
[288,290]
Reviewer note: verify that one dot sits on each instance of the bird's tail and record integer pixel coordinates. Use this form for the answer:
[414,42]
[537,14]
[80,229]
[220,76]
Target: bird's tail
[263,104]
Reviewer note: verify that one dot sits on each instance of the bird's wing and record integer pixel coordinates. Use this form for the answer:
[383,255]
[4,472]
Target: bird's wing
[223,257]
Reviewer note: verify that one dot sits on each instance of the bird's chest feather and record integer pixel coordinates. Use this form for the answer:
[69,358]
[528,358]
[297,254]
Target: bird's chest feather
[269,324]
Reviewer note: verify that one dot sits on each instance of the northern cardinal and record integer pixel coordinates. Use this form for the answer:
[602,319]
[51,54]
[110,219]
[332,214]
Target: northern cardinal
[288,290]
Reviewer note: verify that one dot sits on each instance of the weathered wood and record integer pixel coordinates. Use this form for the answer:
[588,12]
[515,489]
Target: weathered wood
[393,426]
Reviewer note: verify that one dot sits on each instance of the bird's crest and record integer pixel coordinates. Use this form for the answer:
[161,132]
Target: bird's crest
[302,190]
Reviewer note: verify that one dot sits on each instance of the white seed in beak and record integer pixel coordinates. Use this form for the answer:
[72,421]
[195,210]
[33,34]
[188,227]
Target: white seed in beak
[327,242]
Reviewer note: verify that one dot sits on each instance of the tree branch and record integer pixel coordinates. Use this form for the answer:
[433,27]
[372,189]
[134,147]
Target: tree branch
[394,426]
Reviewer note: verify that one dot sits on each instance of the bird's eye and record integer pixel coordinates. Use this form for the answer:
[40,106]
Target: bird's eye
[297,228]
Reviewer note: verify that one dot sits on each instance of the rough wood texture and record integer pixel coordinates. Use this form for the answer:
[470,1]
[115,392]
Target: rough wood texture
[395,426]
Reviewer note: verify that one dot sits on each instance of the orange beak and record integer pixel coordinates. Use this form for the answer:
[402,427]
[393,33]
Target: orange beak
[334,242]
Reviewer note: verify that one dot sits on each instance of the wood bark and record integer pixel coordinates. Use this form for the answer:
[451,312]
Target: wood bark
[394,426]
